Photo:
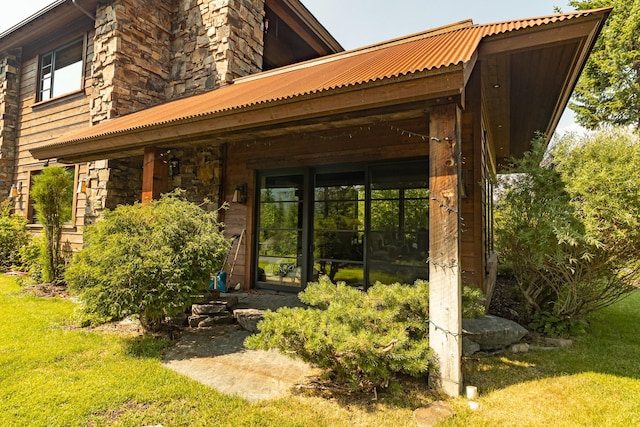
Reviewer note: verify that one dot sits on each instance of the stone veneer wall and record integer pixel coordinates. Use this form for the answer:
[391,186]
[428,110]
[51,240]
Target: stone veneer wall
[147,53]
[131,53]
[213,43]
[9,98]
[200,173]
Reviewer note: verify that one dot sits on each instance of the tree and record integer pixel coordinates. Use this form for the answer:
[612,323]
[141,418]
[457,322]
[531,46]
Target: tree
[609,88]
[570,232]
[147,259]
[52,194]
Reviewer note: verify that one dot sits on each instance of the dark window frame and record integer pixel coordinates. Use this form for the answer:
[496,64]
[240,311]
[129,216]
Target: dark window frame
[47,62]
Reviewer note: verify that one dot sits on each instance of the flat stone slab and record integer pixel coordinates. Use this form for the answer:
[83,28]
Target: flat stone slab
[216,357]
[492,332]
[198,309]
[430,415]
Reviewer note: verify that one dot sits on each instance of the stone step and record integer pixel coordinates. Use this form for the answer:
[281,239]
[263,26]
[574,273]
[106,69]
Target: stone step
[248,318]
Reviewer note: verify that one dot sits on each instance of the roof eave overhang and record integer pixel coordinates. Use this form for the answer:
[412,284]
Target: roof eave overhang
[41,25]
[445,85]
[585,29]
[572,79]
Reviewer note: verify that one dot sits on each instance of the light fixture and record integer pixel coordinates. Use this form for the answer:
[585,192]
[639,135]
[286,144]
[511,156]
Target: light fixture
[496,86]
[82,186]
[14,192]
[174,167]
[239,194]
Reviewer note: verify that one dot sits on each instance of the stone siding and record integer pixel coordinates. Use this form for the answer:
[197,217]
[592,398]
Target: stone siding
[9,109]
[131,52]
[213,43]
[147,55]
[200,173]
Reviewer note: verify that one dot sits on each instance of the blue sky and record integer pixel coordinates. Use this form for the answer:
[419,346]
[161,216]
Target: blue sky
[356,23]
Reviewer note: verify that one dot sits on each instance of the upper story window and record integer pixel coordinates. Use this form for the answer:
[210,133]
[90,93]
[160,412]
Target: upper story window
[61,70]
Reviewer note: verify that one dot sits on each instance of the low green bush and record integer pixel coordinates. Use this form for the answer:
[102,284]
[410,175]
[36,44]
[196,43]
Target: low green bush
[13,235]
[361,338]
[147,259]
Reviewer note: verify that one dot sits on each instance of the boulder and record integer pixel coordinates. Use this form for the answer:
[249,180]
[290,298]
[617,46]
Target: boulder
[469,347]
[492,332]
[248,318]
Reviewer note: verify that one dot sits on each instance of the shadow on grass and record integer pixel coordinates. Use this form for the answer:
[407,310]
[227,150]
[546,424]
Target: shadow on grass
[610,347]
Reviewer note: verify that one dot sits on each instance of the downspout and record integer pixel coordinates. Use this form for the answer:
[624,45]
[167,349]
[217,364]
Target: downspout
[83,10]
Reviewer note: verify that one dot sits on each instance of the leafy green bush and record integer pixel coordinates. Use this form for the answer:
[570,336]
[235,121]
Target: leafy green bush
[570,231]
[361,338]
[147,259]
[33,257]
[13,235]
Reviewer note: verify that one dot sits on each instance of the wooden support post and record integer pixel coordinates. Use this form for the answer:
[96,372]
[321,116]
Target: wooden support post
[155,174]
[445,279]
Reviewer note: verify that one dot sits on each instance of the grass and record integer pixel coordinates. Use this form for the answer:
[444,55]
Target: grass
[595,382]
[55,374]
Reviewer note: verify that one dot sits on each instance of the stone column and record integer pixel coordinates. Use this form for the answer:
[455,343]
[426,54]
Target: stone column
[9,96]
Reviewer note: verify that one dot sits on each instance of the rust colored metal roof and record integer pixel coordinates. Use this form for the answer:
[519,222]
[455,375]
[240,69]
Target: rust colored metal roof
[430,51]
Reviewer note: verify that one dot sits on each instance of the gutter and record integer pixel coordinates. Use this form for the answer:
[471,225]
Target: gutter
[83,10]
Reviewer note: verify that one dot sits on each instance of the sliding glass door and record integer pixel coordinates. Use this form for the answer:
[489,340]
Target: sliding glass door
[357,225]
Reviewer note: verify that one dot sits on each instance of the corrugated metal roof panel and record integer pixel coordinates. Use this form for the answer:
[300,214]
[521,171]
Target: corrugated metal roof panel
[443,47]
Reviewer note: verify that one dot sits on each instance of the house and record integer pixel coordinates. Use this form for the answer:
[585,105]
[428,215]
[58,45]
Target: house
[77,63]
[365,165]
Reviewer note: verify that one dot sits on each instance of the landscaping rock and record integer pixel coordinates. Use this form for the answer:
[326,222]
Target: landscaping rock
[194,321]
[198,309]
[430,415]
[220,319]
[519,348]
[558,342]
[492,332]
[469,347]
[248,318]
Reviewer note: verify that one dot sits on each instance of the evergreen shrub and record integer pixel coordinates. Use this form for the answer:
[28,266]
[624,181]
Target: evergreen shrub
[362,339]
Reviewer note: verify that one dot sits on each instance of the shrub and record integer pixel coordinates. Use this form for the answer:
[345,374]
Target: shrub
[147,259]
[13,235]
[33,257]
[362,338]
[569,231]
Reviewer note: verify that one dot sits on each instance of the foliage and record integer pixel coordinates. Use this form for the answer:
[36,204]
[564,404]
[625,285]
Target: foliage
[13,235]
[551,325]
[362,338]
[609,88]
[569,232]
[52,194]
[54,373]
[147,259]
[33,257]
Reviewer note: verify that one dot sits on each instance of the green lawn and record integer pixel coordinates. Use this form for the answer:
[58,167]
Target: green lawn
[53,374]
[594,383]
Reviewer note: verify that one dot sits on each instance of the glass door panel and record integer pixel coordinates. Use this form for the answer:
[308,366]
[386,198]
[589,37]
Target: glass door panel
[280,230]
[398,236]
[338,219]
